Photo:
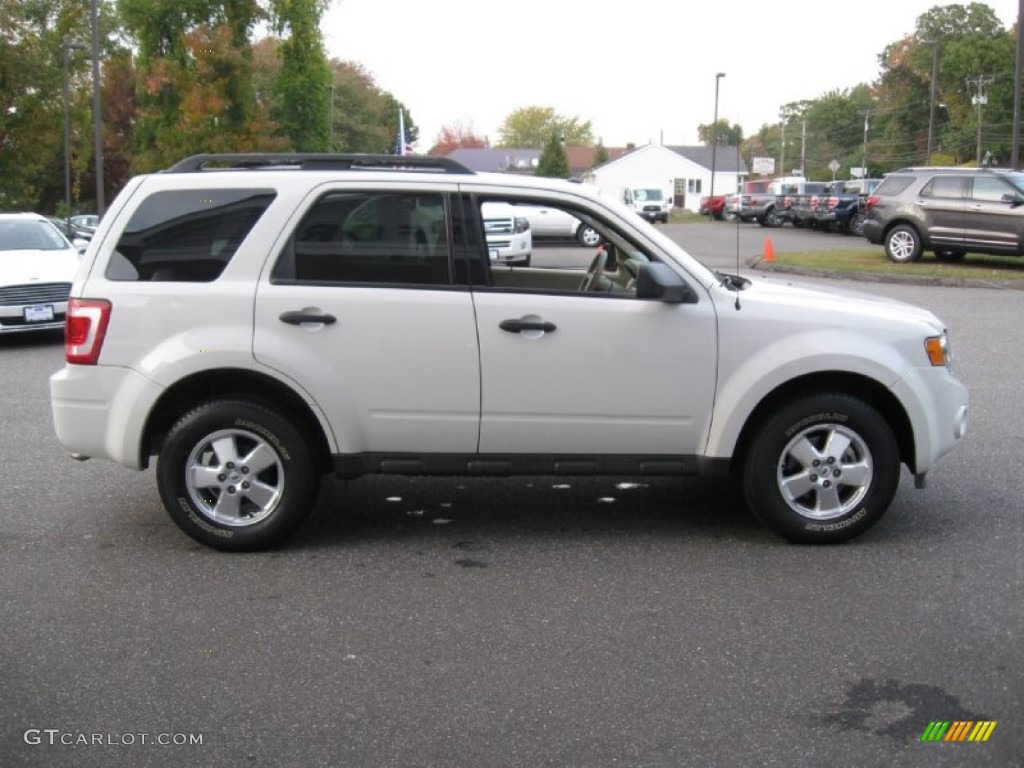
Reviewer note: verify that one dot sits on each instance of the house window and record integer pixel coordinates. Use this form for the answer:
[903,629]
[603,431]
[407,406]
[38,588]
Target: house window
[693,186]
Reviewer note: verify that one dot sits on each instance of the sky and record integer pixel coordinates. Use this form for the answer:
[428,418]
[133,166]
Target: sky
[640,72]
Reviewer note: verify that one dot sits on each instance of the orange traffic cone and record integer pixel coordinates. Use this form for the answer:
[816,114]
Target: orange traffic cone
[769,251]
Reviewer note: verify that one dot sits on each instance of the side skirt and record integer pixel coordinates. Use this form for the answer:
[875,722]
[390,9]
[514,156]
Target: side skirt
[457,464]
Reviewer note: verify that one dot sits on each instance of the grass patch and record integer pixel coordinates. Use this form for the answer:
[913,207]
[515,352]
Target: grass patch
[973,266]
[687,217]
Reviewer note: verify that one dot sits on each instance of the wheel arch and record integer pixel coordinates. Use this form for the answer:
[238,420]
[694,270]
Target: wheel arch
[838,382]
[893,223]
[223,383]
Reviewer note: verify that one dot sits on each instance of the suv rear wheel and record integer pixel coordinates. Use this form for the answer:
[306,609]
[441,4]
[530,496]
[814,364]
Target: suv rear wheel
[236,475]
[903,244]
[822,469]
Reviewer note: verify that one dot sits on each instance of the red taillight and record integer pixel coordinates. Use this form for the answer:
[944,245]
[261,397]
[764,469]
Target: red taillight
[871,203]
[84,329]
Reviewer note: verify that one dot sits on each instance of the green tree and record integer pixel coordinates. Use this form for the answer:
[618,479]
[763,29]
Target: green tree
[532,127]
[970,43]
[721,133]
[302,89]
[32,35]
[601,155]
[553,162]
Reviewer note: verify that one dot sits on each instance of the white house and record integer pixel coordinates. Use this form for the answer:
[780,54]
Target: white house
[684,172]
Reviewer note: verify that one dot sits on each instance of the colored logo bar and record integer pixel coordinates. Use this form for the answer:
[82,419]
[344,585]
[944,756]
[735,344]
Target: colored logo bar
[959,730]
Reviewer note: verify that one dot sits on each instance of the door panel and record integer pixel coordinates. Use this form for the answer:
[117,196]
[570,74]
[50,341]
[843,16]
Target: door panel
[616,376]
[941,204]
[360,312]
[990,221]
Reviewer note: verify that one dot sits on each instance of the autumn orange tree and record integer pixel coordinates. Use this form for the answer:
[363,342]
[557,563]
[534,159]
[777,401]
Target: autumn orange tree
[457,136]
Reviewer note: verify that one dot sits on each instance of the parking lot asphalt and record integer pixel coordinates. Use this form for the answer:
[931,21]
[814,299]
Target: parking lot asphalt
[517,622]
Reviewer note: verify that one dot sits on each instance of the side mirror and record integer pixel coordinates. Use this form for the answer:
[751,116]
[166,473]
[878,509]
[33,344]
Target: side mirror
[660,283]
[1013,199]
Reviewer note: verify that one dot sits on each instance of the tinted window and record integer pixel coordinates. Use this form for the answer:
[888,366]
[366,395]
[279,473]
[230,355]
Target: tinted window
[944,187]
[186,235]
[369,237]
[893,185]
[990,189]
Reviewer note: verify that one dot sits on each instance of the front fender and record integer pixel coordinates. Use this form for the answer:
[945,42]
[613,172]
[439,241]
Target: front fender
[744,386]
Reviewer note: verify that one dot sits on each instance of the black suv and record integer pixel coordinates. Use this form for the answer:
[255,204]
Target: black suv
[950,211]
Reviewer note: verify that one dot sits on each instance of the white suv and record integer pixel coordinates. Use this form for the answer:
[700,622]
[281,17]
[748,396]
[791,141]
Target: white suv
[256,321]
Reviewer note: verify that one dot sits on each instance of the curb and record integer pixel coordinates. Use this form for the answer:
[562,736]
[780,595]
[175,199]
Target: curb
[758,263]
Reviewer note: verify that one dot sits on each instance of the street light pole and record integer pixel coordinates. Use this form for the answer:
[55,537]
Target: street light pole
[714,147]
[67,48]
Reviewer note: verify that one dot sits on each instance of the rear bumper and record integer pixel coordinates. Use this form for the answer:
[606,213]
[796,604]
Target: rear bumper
[100,411]
[873,231]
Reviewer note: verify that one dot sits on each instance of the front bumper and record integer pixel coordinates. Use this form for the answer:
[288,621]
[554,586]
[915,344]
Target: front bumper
[938,405]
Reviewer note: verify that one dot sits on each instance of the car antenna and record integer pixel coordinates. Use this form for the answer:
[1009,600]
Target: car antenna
[737,305]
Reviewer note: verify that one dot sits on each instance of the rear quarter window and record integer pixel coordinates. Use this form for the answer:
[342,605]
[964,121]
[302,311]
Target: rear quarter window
[186,235]
[893,185]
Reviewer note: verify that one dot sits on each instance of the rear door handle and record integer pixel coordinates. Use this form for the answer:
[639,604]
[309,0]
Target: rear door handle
[515,325]
[300,316]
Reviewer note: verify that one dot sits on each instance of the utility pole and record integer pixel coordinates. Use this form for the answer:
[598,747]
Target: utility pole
[931,99]
[803,149]
[980,99]
[782,160]
[864,162]
[1015,159]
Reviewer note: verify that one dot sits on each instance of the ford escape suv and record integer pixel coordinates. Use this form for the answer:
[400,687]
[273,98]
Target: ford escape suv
[256,321]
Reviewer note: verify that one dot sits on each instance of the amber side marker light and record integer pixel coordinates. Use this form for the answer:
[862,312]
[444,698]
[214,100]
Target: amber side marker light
[937,349]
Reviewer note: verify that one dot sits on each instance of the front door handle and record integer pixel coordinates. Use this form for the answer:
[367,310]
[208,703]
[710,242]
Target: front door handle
[300,316]
[515,325]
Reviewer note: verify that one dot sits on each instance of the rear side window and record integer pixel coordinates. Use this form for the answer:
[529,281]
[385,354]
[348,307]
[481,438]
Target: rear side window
[893,185]
[369,237]
[948,187]
[186,235]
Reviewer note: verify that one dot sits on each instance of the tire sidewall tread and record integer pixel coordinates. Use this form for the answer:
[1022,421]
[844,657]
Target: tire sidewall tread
[301,477]
[760,485]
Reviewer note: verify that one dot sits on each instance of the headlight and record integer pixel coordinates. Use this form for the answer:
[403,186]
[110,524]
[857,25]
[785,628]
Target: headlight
[939,353]
[521,225]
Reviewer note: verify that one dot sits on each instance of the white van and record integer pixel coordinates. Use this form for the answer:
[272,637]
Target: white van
[649,201]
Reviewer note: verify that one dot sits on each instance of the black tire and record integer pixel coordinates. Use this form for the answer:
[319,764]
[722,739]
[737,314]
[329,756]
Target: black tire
[832,507]
[258,450]
[950,256]
[587,236]
[857,225]
[903,244]
[771,219]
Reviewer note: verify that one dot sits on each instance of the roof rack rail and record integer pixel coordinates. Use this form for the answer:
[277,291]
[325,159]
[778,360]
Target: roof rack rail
[311,161]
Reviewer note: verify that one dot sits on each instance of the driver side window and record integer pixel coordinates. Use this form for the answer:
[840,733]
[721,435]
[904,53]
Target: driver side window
[541,246]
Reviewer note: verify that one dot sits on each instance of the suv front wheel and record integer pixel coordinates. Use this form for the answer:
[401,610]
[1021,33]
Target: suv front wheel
[236,475]
[903,244]
[822,469]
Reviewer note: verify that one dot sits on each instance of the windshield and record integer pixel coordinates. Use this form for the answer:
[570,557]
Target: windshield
[1017,179]
[30,235]
[647,194]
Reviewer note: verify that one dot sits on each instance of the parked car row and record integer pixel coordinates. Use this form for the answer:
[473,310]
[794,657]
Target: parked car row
[837,206]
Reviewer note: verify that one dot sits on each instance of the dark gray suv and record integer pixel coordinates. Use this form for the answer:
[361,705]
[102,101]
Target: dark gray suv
[950,211]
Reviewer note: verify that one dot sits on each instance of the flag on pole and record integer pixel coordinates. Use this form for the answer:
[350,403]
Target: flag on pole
[402,146]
